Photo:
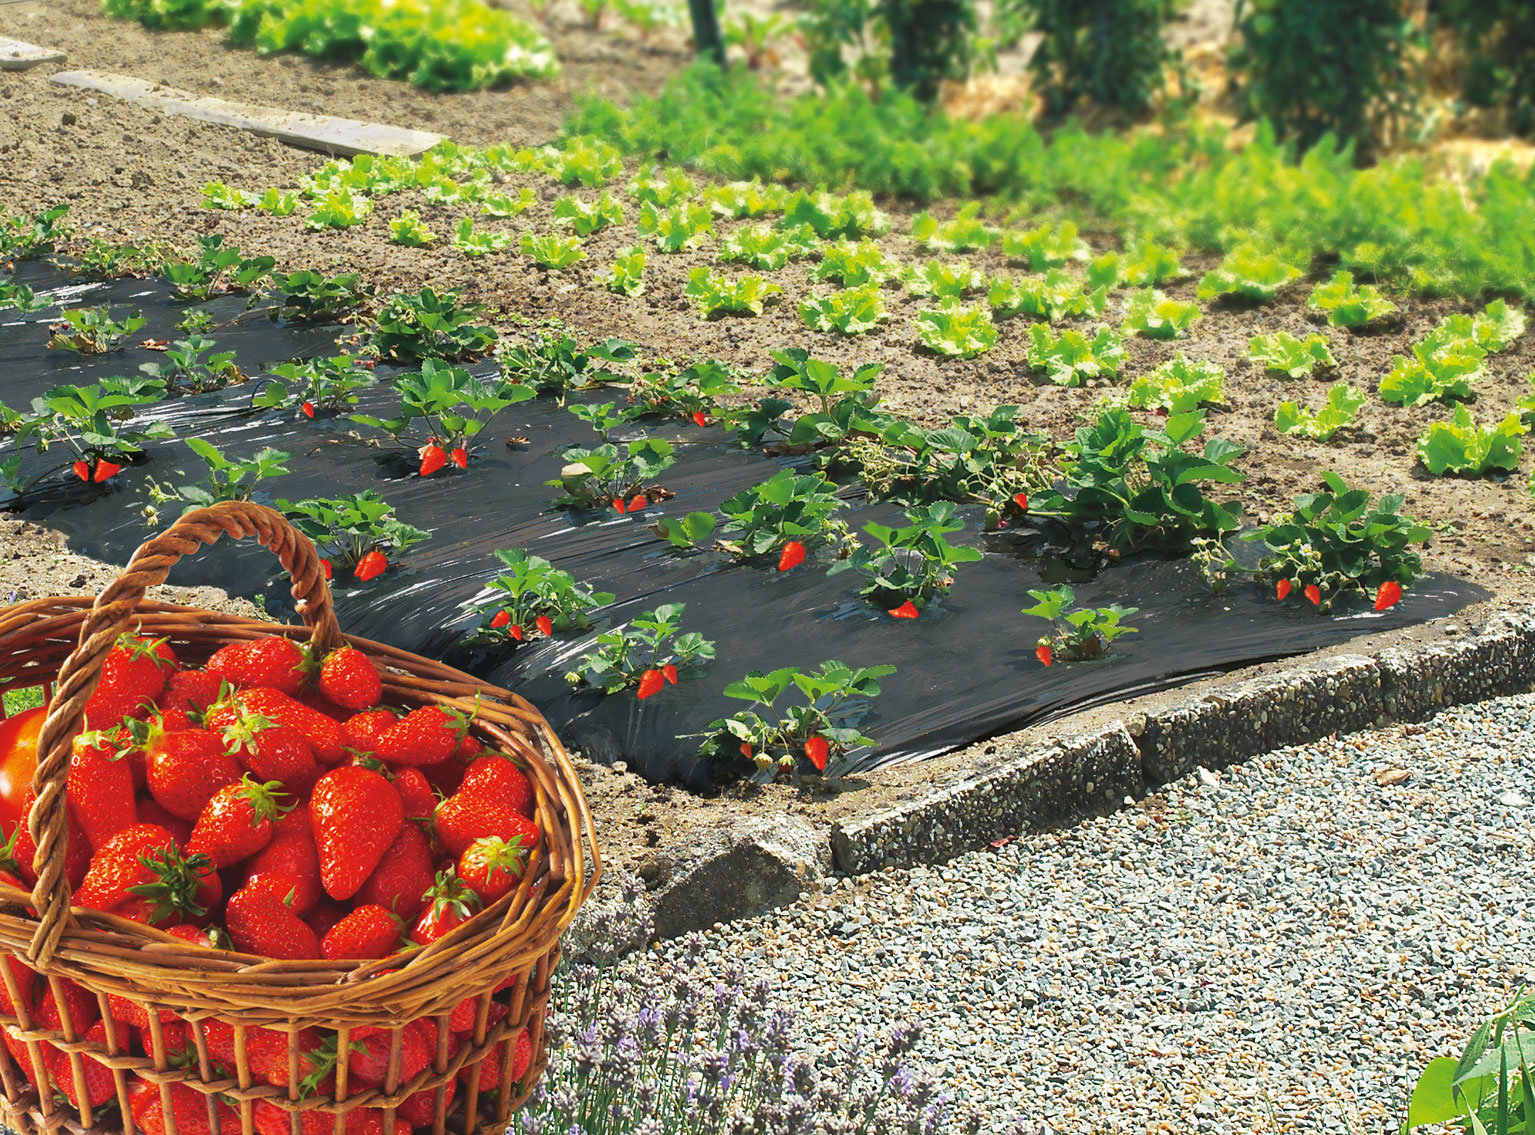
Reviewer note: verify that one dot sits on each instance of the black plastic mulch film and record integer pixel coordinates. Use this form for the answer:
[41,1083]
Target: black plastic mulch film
[966,668]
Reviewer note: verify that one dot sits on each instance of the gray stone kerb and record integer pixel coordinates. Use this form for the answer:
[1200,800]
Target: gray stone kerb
[1046,785]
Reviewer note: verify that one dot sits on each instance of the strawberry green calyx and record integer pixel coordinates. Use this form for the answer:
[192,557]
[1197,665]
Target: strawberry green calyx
[179,882]
[450,895]
[241,734]
[263,799]
[498,854]
[147,648]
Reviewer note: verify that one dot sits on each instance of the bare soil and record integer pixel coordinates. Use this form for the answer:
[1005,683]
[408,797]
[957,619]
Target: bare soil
[133,175]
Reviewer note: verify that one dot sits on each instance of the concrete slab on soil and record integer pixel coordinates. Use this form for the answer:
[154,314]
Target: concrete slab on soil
[345,137]
[18,56]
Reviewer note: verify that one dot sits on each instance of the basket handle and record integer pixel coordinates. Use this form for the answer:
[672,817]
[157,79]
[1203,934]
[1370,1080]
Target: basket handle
[110,616]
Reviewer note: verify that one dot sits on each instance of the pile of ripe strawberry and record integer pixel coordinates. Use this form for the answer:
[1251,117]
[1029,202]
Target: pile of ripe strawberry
[267,803]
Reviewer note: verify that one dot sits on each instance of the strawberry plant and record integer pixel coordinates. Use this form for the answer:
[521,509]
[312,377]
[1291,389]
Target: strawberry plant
[988,460]
[612,476]
[98,259]
[1178,386]
[1155,316]
[1052,297]
[964,232]
[647,654]
[1335,541]
[832,217]
[196,321]
[852,311]
[26,236]
[430,324]
[92,423]
[530,597]
[1047,246]
[1490,1090]
[1079,634]
[19,297]
[185,371]
[787,507]
[410,230]
[1133,487]
[693,392]
[627,275]
[676,227]
[1248,272]
[715,295]
[91,330]
[1444,365]
[475,243]
[855,263]
[746,198]
[452,408]
[1343,402]
[956,331]
[915,563]
[1345,305]
[765,248]
[687,531]
[663,188]
[216,270]
[605,417]
[1283,353]
[587,217]
[314,297]
[225,479]
[551,361]
[504,205]
[339,208]
[942,281]
[1462,447]
[328,384]
[835,700]
[846,402]
[1071,358]
[584,160]
[358,532]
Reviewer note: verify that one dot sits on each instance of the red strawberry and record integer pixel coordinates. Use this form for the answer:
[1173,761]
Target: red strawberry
[260,922]
[349,678]
[150,812]
[515,632]
[290,863]
[189,1111]
[126,1012]
[415,793]
[356,815]
[618,504]
[323,732]
[327,569]
[488,1070]
[639,502]
[184,768]
[669,672]
[82,470]
[138,665]
[81,1006]
[423,736]
[269,1119]
[496,778]
[275,662]
[492,867]
[325,917]
[77,857]
[99,787]
[368,932]
[522,1056]
[817,750]
[266,1051]
[26,982]
[105,471]
[361,731]
[1022,501]
[651,683]
[191,691]
[273,752]
[700,419]
[746,750]
[143,862]
[1044,654]
[95,1077]
[460,457]
[238,821]
[433,458]
[463,818]
[545,625]
[308,408]
[368,1059]
[792,556]
[1282,590]
[1388,595]
[1314,593]
[450,904]
[502,619]
[370,566]
[403,876]
[420,1108]
[461,1021]
[907,610]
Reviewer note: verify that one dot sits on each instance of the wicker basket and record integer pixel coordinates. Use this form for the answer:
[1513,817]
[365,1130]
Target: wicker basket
[62,642]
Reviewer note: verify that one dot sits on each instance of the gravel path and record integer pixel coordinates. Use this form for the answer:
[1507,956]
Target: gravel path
[1278,947]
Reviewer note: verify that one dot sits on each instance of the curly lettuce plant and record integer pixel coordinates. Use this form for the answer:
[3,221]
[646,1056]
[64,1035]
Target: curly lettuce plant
[1178,386]
[1285,354]
[1071,358]
[1248,272]
[956,331]
[1462,447]
[1343,402]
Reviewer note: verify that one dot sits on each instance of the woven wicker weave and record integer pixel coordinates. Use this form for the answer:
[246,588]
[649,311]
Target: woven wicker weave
[63,642]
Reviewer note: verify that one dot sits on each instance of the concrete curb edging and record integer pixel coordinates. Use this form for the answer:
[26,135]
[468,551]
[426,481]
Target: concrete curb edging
[1091,775]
